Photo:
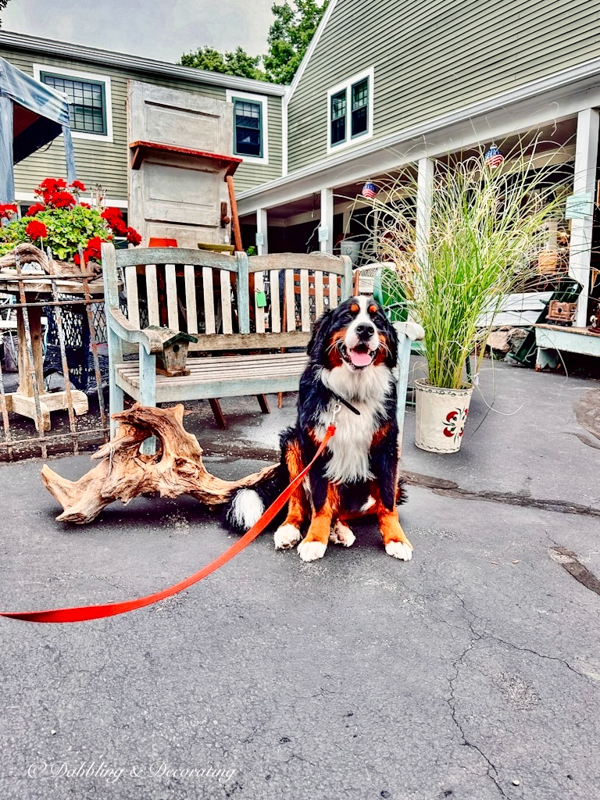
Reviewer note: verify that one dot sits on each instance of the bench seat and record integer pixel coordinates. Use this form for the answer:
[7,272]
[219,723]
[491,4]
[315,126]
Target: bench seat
[222,376]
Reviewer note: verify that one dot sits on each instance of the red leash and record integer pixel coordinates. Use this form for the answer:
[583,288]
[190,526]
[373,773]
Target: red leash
[82,613]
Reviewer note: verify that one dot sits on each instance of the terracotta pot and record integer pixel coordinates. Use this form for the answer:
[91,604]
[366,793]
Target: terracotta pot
[440,417]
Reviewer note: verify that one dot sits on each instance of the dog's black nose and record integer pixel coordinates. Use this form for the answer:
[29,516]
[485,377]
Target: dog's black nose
[365,330]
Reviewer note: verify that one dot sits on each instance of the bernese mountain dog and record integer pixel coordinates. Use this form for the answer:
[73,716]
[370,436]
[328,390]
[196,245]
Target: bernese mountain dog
[352,352]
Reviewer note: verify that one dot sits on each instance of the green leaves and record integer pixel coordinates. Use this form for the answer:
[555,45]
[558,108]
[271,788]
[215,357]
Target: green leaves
[289,36]
[238,62]
[67,230]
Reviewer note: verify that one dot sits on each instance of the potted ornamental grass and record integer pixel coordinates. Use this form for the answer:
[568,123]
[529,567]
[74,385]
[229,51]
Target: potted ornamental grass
[487,224]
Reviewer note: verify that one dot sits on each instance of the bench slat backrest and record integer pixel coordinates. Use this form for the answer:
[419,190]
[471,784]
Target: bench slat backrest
[178,288]
[221,298]
[301,288]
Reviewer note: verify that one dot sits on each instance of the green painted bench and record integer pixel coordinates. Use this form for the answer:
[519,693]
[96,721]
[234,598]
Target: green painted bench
[220,301]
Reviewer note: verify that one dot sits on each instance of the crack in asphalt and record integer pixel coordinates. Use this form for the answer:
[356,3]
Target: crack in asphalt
[440,486]
[519,648]
[475,638]
[447,488]
[491,771]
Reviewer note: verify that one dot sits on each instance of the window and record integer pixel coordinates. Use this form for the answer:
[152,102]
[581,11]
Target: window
[90,98]
[350,111]
[88,102]
[249,126]
[360,107]
[338,118]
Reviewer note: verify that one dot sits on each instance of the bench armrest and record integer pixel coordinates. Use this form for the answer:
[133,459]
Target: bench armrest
[411,329]
[153,339]
[118,322]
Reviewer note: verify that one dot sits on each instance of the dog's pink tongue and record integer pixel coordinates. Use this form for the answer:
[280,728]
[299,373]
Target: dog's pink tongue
[360,359]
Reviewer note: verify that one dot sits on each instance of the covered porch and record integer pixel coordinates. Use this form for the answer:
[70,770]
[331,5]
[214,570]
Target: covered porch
[321,206]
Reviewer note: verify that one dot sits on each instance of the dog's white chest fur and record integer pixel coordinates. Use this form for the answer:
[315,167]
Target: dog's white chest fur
[366,390]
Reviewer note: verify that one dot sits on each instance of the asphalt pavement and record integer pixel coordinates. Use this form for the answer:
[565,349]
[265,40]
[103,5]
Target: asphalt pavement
[471,672]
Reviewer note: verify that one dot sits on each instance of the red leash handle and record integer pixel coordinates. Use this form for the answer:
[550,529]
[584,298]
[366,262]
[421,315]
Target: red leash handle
[82,613]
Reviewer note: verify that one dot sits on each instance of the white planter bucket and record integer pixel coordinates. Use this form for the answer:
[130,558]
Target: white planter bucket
[440,417]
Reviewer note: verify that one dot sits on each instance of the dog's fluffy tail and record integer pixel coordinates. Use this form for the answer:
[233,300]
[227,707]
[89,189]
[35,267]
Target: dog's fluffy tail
[247,506]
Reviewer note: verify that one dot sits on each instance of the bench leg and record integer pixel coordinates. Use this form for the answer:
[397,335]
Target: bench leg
[263,403]
[218,414]
[148,393]
[279,399]
[116,402]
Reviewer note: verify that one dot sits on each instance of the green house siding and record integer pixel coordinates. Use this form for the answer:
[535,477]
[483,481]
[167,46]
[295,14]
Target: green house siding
[432,57]
[105,163]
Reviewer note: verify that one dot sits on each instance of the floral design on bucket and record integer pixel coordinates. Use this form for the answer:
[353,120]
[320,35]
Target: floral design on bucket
[454,424]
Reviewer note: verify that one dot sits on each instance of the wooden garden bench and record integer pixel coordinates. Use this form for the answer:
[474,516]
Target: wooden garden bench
[208,299]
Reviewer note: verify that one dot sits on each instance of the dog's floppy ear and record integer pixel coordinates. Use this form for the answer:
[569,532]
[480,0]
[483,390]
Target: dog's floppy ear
[319,335]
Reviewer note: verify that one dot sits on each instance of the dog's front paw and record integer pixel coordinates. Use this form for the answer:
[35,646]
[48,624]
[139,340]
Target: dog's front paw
[286,537]
[311,551]
[401,550]
[341,534]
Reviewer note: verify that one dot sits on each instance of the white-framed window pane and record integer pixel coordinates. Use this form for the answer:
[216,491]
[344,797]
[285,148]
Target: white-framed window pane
[360,107]
[88,103]
[248,128]
[338,117]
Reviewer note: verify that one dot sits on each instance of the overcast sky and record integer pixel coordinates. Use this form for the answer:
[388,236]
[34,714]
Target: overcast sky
[162,30]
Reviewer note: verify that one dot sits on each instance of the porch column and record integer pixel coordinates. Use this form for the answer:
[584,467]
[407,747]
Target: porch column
[326,226]
[262,237]
[7,172]
[424,199]
[586,156]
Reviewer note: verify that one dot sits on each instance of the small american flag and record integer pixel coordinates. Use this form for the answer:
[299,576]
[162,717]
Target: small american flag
[493,157]
[369,190]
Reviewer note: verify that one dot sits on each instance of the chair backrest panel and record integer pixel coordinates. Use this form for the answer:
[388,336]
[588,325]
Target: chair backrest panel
[209,306]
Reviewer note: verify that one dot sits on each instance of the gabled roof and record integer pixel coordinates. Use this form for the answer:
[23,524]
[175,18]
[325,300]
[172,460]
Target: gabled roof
[21,41]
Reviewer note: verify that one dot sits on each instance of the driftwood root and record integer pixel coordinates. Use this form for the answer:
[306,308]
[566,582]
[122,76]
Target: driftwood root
[124,473]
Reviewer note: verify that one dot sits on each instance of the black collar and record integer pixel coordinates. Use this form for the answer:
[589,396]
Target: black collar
[345,402]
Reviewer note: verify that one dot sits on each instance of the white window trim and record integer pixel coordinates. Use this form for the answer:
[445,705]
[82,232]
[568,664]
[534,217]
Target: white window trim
[263,100]
[91,76]
[346,86]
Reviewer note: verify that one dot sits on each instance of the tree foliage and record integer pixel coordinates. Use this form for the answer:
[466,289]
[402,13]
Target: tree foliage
[289,36]
[238,62]
[3,4]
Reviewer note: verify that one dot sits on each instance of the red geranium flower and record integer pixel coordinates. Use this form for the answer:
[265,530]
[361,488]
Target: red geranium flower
[85,205]
[93,249]
[133,236]
[111,213]
[8,210]
[35,209]
[36,230]
[61,200]
[79,186]
[118,226]
[49,187]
